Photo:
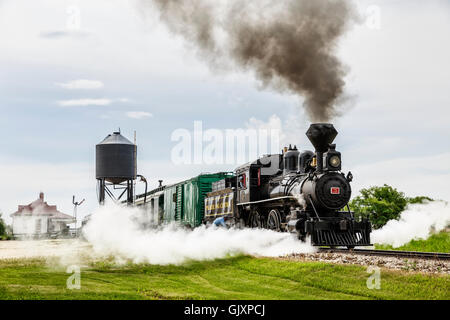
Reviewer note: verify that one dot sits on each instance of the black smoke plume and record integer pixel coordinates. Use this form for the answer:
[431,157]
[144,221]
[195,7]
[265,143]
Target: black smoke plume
[290,45]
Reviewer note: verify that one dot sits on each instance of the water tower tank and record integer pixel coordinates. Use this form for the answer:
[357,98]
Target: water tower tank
[115,159]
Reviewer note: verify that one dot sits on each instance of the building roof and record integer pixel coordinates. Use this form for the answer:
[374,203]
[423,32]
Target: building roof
[40,208]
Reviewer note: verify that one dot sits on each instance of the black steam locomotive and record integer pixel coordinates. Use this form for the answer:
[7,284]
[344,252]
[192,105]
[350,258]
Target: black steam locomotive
[303,192]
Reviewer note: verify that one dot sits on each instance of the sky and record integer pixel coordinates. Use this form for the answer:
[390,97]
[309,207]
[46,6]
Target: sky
[74,71]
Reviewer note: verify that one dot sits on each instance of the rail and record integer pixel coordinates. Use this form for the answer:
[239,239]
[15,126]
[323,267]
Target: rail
[392,253]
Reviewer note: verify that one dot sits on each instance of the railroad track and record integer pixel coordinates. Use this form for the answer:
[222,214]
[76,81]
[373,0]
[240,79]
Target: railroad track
[391,253]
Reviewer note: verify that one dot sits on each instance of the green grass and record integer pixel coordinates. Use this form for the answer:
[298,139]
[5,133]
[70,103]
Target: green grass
[234,278]
[439,242]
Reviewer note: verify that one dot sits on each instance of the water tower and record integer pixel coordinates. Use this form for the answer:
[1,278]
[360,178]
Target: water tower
[116,167]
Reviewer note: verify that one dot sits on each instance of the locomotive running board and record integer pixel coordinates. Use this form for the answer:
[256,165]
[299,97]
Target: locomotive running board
[266,200]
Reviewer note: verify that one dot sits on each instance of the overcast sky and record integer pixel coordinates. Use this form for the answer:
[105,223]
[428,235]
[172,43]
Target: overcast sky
[64,88]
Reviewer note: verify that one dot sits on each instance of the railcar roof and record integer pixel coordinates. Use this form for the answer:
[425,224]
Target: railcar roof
[161,189]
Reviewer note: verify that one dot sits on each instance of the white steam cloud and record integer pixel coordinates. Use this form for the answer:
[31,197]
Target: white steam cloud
[81,84]
[299,196]
[118,231]
[416,222]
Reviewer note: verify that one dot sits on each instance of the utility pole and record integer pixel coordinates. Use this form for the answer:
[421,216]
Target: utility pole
[76,204]
[135,167]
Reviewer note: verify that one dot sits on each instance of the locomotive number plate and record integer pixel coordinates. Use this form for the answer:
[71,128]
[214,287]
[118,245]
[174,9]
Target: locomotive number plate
[335,190]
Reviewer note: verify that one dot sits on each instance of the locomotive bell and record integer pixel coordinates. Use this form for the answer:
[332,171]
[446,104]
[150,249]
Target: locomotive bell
[321,135]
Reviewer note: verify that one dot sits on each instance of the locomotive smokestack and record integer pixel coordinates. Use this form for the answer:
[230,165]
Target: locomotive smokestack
[321,135]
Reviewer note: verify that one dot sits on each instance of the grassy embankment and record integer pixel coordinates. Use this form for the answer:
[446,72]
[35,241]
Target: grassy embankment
[233,278]
[439,242]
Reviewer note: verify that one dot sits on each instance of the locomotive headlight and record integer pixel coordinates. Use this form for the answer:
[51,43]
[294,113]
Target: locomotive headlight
[335,161]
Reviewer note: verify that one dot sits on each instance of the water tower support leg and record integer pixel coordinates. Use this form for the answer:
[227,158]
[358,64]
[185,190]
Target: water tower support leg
[130,192]
[101,192]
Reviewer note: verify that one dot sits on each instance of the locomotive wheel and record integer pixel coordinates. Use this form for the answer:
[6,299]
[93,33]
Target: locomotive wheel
[273,220]
[238,223]
[255,220]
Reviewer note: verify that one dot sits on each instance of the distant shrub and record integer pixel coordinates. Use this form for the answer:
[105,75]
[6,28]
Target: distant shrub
[2,227]
[5,230]
[418,200]
[382,204]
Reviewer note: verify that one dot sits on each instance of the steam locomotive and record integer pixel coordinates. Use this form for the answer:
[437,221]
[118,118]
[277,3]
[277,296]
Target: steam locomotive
[301,192]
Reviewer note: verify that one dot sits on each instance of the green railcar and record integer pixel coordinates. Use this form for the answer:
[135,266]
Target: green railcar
[183,202]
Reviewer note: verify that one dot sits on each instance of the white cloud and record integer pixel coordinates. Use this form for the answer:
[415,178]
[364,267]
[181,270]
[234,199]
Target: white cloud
[81,84]
[94,102]
[139,114]
[84,102]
